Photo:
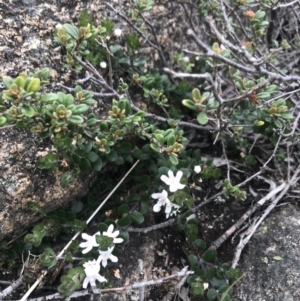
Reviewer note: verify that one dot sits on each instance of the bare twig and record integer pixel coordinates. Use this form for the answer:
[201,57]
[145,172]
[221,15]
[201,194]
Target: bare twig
[217,243]
[208,52]
[184,272]
[286,4]
[9,290]
[254,227]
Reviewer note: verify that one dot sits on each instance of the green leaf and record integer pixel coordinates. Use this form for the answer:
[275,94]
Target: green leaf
[200,243]
[123,209]
[212,294]
[80,109]
[263,95]
[287,116]
[77,207]
[155,147]
[112,156]
[20,81]
[115,48]
[85,165]
[133,42]
[278,123]
[144,207]
[126,147]
[49,97]
[174,160]
[7,81]
[259,14]
[189,104]
[88,146]
[91,122]
[202,118]
[160,138]
[85,18]
[71,30]
[193,259]
[211,272]
[212,105]
[119,161]
[92,157]
[98,165]
[109,25]
[48,162]
[34,85]
[2,120]
[171,140]
[137,217]
[196,95]
[197,289]
[125,235]
[217,282]
[210,256]
[75,119]
[124,221]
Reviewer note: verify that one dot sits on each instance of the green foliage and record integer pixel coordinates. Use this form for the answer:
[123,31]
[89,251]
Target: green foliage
[48,258]
[234,191]
[84,140]
[71,281]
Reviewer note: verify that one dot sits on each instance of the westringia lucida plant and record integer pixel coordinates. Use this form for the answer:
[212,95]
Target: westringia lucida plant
[226,89]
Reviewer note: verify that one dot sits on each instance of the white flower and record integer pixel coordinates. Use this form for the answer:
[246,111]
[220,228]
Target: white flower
[173,182]
[105,255]
[103,65]
[163,201]
[112,234]
[90,242]
[92,269]
[197,169]
[186,59]
[118,32]
[205,285]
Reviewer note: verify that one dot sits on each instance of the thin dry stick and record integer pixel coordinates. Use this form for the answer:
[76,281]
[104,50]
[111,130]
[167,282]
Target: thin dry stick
[253,228]
[6,292]
[217,243]
[184,272]
[44,273]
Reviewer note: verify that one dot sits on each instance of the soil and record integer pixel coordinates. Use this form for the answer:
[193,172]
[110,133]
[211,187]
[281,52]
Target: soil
[26,43]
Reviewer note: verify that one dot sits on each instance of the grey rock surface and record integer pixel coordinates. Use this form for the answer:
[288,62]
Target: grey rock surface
[272,260]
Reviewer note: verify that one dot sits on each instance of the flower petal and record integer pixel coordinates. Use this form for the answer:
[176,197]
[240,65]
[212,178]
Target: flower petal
[173,187]
[168,208]
[170,174]
[156,195]
[110,229]
[164,194]
[85,283]
[104,263]
[165,179]
[118,240]
[113,258]
[85,236]
[197,169]
[178,175]
[156,207]
[101,278]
